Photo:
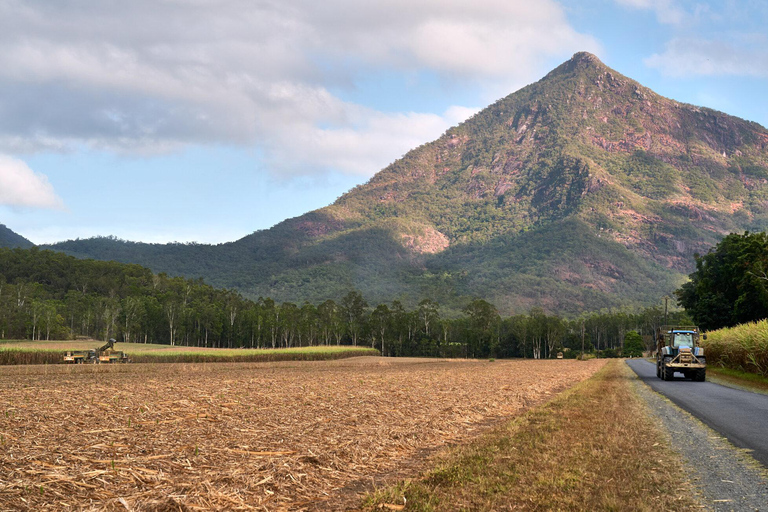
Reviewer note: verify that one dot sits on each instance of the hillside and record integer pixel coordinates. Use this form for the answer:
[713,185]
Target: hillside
[11,239]
[581,191]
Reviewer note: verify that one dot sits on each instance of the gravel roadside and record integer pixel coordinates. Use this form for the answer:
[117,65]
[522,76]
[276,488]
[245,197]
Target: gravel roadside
[727,478]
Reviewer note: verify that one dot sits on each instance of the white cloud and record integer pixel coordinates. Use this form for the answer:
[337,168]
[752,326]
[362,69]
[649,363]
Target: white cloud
[696,57]
[667,11]
[144,76]
[20,186]
[364,145]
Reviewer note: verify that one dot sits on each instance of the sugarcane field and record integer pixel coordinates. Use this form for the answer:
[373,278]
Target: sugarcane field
[298,435]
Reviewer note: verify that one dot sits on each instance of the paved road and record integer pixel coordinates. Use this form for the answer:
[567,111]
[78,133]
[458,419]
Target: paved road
[740,416]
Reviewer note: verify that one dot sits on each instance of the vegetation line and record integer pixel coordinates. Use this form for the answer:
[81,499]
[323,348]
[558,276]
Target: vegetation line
[738,379]
[592,448]
[14,355]
[49,296]
[743,347]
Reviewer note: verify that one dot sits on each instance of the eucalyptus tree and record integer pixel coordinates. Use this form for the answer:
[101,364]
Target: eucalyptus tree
[308,324]
[133,309]
[354,306]
[289,317]
[381,319]
[537,324]
[554,333]
[484,322]
[328,318]
[429,313]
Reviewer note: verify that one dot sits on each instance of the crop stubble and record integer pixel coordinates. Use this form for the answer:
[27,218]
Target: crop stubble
[243,436]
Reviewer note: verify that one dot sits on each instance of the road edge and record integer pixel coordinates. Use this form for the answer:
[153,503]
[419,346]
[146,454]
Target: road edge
[725,477]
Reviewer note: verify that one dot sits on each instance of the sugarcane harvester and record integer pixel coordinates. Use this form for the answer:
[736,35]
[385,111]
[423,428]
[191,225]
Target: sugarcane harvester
[678,350]
[104,354]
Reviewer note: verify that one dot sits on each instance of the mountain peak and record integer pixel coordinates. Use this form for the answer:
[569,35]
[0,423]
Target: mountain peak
[579,62]
[586,58]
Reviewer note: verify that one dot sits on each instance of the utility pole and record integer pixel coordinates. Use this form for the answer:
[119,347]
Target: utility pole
[666,299]
[582,339]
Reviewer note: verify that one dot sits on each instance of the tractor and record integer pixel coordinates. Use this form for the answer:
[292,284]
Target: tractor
[104,354]
[678,350]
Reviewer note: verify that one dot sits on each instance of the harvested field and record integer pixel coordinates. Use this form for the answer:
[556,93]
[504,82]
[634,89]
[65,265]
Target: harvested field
[243,436]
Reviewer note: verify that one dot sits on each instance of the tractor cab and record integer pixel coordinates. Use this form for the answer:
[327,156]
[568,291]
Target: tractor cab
[683,339]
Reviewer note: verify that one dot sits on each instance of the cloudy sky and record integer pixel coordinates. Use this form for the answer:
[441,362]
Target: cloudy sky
[205,120]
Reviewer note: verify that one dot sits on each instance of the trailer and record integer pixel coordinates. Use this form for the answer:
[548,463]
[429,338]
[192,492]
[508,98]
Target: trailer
[80,356]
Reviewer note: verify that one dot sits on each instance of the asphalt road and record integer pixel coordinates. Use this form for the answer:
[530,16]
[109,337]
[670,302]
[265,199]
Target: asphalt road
[740,416]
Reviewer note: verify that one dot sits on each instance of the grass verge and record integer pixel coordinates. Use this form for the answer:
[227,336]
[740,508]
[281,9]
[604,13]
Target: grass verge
[593,447]
[738,379]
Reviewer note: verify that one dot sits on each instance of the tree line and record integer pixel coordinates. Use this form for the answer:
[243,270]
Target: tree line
[730,283]
[49,295]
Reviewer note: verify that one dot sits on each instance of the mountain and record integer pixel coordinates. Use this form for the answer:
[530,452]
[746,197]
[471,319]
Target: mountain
[581,191]
[10,239]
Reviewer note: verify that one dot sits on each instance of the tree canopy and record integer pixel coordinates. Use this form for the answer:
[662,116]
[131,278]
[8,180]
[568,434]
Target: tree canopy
[730,283]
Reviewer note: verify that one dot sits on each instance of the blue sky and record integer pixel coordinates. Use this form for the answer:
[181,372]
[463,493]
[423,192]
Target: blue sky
[189,120]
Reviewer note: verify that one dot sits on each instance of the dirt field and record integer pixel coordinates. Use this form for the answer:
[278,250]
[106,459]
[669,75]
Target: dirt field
[245,436]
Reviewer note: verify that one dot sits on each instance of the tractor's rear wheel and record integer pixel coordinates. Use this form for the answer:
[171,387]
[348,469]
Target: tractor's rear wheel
[701,375]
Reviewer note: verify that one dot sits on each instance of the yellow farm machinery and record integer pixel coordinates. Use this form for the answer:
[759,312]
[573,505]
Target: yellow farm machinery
[105,354]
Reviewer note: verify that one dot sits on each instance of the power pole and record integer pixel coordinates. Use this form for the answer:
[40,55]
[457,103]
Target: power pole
[582,340]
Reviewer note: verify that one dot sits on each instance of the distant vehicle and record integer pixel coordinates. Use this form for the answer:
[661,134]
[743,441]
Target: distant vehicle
[678,350]
[80,356]
[104,354]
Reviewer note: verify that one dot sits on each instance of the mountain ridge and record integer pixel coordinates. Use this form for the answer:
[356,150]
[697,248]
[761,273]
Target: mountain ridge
[585,150]
[11,239]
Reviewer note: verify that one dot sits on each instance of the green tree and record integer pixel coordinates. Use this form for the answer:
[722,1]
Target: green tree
[633,345]
[381,318]
[428,314]
[354,306]
[329,321]
[730,283]
[289,318]
[483,322]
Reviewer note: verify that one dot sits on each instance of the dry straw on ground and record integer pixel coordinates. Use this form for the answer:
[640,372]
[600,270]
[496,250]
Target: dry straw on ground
[280,436]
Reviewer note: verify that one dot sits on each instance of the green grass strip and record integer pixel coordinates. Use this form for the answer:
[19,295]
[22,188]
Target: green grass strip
[593,447]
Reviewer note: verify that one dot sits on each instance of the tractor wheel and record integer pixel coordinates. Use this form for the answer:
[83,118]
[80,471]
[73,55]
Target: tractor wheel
[658,370]
[667,373]
[701,375]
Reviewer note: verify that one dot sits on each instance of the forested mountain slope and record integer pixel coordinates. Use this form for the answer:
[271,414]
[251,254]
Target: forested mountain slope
[581,191]
[11,239]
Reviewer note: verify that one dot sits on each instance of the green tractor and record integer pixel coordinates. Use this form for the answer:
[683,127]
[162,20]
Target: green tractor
[678,350]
